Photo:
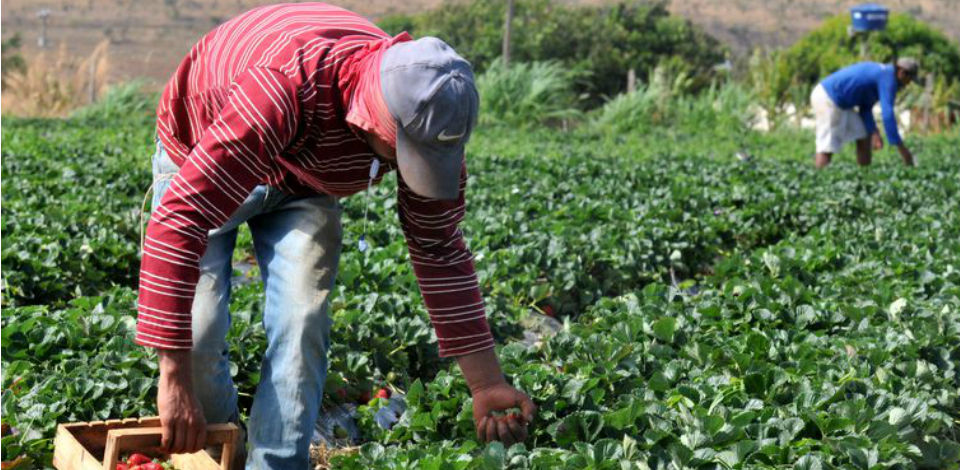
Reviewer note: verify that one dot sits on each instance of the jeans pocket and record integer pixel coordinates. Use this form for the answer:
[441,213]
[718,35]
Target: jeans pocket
[164,169]
[159,189]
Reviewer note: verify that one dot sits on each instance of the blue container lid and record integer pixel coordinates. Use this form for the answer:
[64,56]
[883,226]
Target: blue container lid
[869,17]
[869,8]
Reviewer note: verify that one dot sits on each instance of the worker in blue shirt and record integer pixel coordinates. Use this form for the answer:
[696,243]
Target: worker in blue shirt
[843,105]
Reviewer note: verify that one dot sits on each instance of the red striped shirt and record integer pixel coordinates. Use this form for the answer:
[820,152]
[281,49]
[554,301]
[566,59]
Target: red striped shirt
[262,100]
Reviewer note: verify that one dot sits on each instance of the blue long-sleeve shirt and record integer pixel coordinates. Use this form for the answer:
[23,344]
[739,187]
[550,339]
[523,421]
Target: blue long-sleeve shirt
[862,85]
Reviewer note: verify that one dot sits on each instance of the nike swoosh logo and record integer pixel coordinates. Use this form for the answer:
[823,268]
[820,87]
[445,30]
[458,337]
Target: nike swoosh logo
[444,137]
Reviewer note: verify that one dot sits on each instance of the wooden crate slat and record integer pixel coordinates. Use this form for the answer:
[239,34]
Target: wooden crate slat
[198,461]
[69,454]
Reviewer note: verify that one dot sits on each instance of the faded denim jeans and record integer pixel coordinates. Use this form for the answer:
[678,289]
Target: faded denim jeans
[297,241]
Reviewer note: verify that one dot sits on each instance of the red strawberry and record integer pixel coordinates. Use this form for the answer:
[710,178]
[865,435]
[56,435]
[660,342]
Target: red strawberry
[383,393]
[138,459]
[122,466]
[151,466]
[548,311]
[365,396]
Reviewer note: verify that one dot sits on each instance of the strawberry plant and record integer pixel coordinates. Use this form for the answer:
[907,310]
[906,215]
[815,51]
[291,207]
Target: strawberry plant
[715,313]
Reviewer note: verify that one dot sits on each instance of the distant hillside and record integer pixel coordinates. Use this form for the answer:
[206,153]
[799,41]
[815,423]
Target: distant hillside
[148,38]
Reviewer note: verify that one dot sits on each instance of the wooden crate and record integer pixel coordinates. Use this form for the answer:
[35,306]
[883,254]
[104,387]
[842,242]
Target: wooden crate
[98,445]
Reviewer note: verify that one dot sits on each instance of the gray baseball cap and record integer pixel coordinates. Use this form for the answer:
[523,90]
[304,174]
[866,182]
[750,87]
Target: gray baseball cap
[910,65]
[430,91]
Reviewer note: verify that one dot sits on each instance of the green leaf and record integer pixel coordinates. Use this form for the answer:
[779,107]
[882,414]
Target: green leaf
[626,416]
[580,426]
[665,328]
[494,456]
[899,416]
[809,462]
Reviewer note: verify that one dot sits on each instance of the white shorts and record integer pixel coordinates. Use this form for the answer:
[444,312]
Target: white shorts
[835,126]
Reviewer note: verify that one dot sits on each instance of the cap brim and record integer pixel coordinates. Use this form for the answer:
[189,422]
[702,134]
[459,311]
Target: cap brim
[430,171]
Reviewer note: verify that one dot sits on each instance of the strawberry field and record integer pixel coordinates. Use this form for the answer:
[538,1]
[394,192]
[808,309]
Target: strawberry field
[717,312]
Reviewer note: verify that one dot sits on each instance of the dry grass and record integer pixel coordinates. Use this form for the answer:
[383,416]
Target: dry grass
[320,455]
[56,83]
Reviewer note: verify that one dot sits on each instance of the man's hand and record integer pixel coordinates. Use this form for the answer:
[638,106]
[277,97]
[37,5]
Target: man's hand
[509,429]
[877,141]
[491,393]
[184,427]
[906,155]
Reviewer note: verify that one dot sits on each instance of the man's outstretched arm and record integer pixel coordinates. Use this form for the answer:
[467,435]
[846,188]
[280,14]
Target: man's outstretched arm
[491,392]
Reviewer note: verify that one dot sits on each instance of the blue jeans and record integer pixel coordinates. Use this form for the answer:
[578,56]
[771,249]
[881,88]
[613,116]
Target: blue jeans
[297,241]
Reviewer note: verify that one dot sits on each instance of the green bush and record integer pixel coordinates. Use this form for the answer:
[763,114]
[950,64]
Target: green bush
[830,47]
[124,101]
[396,24]
[652,104]
[600,44]
[526,94]
[777,76]
[665,102]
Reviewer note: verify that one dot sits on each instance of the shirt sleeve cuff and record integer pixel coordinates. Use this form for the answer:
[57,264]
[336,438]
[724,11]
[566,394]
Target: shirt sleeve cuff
[159,326]
[463,348]
[150,340]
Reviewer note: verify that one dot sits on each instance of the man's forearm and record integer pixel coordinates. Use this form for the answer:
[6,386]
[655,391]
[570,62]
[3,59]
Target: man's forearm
[181,415]
[481,369]
[176,375]
[176,363]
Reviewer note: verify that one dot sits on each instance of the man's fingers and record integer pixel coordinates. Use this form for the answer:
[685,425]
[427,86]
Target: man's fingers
[518,430]
[201,438]
[189,439]
[179,437]
[482,429]
[491,430]
[503,431]
[166,436]
[528,409]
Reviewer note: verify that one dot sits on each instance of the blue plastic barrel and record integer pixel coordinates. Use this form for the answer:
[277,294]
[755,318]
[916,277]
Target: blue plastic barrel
[869,17]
